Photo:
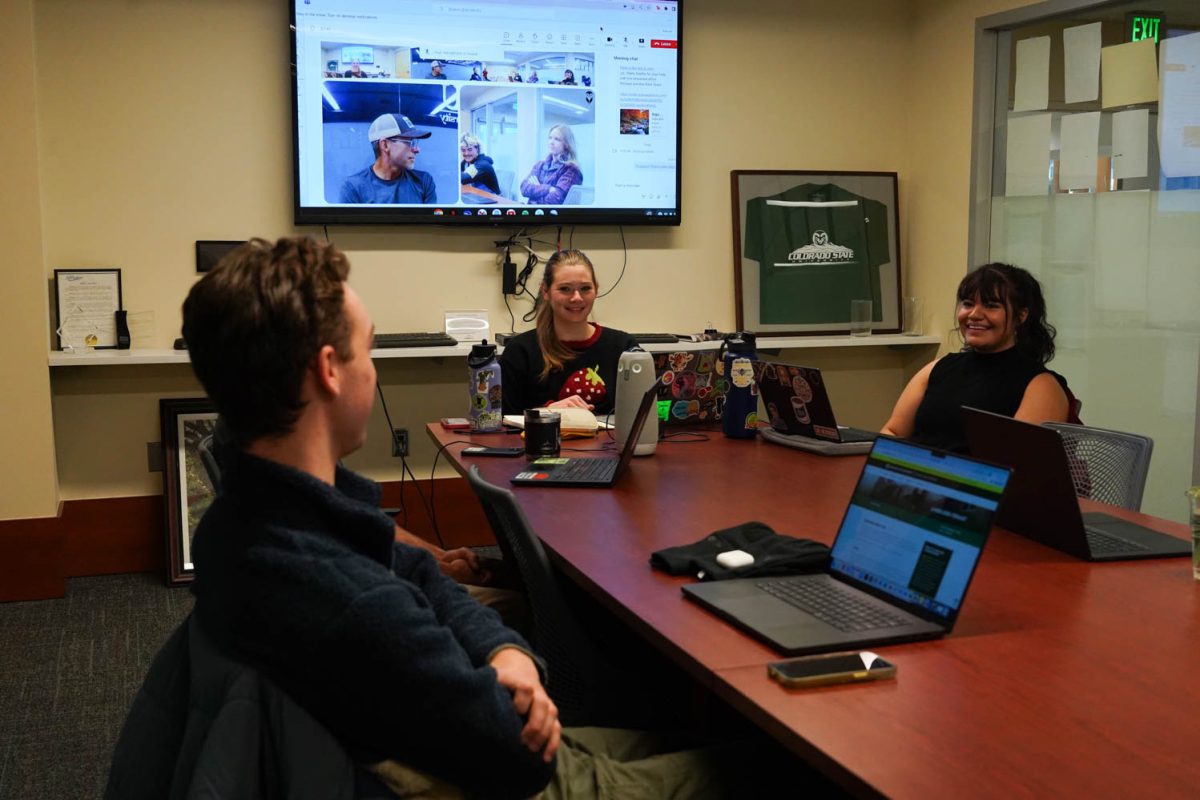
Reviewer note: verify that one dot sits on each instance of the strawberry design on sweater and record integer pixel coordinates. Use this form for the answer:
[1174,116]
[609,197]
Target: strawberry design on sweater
[586,383]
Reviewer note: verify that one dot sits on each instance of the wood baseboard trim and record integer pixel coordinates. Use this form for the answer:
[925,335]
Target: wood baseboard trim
[125,534]
[31,559]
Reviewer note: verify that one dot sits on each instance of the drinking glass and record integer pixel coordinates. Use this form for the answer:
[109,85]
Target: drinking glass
[860,317]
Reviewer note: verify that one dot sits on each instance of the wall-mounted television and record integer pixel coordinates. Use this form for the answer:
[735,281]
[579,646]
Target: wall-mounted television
[488,112]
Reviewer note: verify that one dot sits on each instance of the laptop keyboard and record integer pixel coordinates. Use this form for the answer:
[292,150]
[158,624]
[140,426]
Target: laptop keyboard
[414,340]
[586,469]
[654,338]
[831,604]
[856,435]
[1104,543]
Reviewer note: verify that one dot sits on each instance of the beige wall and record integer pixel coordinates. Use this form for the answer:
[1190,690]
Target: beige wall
[939,132]
[187,137]
[28,486]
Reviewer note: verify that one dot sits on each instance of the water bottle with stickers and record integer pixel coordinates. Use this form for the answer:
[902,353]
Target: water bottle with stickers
[739,418]
[483,374]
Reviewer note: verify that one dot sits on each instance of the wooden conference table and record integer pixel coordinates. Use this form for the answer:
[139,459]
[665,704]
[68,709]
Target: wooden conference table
[1061,678]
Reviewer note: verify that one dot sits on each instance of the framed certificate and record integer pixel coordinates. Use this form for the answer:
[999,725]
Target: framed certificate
[86,302]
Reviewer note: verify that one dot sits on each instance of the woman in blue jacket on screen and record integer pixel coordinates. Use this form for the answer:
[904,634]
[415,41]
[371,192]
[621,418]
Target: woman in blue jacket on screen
[552,177]
[1007,342]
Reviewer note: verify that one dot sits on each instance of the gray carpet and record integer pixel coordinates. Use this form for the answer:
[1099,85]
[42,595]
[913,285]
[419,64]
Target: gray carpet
[68,671]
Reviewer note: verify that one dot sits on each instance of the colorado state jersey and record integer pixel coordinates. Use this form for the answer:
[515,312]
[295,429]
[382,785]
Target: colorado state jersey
[818,247]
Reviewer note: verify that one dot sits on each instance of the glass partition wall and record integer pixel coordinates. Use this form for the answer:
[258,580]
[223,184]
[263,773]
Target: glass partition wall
[1086,163]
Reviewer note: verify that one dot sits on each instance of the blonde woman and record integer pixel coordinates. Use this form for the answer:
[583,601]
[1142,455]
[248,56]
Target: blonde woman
[552,177]
[566,360]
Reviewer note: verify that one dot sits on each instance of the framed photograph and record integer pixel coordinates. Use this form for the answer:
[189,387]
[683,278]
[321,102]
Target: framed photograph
[86,302]
[806,244]
[190,477]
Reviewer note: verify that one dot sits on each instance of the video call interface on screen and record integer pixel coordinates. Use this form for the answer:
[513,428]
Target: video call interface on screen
[915,528]
[563,110]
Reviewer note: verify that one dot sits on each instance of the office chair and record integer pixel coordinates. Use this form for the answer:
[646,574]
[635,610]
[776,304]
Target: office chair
[579,195]
[571,658]
[1107,466]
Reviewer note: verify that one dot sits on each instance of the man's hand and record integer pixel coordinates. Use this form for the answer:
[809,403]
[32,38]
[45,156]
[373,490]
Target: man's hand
[462,564]
[516,672]
[572,401]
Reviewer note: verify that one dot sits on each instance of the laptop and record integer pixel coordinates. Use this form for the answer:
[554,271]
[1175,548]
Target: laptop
[584,472]
[799,411]
[1042,504]
[690,392]
[900,566]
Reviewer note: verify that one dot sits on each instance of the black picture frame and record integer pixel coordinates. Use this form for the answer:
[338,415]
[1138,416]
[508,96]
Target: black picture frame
[806,242]
[96,310]
[210,251]
[190,477]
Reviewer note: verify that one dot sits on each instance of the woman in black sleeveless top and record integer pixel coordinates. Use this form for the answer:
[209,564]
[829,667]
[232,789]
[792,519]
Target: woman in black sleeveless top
[1001,318]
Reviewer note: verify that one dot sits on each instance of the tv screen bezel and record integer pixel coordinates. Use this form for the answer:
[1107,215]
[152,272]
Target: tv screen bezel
[567,215]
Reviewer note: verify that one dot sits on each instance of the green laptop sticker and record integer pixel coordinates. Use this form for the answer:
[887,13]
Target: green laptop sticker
[550,460]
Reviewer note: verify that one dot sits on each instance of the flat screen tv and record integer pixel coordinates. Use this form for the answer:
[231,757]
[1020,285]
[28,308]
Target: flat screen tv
[487,112]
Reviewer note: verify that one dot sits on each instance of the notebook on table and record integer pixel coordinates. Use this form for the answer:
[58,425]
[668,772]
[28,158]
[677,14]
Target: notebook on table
[1042,504]
[800,413]
[900,566]
[585,472]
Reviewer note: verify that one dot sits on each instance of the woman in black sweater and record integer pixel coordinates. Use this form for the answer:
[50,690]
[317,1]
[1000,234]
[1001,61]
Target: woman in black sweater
[1007,342]
[565,360]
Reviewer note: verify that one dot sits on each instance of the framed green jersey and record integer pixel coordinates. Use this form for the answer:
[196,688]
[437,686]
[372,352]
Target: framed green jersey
[808,243]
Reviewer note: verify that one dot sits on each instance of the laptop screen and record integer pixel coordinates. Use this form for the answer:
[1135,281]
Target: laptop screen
[917,523]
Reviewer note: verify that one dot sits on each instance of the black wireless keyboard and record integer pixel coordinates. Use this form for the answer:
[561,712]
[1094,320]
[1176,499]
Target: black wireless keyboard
[654,338]
[414,340]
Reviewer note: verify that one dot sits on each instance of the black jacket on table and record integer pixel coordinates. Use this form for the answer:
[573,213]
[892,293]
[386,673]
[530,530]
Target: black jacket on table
[993,382]
[591,374]
[303,581]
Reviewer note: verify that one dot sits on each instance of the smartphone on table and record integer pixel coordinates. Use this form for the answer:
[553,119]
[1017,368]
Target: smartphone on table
[476,450]
[824,670]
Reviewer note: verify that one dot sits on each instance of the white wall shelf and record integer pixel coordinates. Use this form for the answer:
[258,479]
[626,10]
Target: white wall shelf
[112,358]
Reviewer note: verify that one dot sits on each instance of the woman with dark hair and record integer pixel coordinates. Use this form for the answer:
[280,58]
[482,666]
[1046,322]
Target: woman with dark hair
[565,360]
[1007,342]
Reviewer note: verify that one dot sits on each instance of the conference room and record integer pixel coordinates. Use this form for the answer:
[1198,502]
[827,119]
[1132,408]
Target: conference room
[1059,655]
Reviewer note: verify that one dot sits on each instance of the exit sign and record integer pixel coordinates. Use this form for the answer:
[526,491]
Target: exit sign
[1143,25]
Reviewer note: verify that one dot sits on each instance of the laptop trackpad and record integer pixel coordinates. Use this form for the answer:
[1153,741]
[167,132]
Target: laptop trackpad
[772,615]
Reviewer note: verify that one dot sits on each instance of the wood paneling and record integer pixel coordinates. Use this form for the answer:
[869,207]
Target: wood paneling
[31,559]
[125,534]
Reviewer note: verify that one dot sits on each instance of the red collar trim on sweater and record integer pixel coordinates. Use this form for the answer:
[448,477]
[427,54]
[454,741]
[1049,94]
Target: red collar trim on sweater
[586,343]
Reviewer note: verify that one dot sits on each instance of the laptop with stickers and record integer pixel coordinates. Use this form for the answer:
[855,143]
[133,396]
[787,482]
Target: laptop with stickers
[690,392]
[800,413]
[589,472]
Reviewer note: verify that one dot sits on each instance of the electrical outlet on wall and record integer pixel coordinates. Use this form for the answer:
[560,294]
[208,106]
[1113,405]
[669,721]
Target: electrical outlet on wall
[400,443]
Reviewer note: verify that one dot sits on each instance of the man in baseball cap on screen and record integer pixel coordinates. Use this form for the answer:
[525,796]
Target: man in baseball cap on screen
[391,178]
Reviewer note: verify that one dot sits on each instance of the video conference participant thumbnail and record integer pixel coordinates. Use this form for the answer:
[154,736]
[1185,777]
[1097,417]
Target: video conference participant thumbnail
[392,178]
[406,155]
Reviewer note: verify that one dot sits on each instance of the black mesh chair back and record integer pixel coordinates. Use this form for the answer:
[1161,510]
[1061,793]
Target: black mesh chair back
[1106,466]
[571,659]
